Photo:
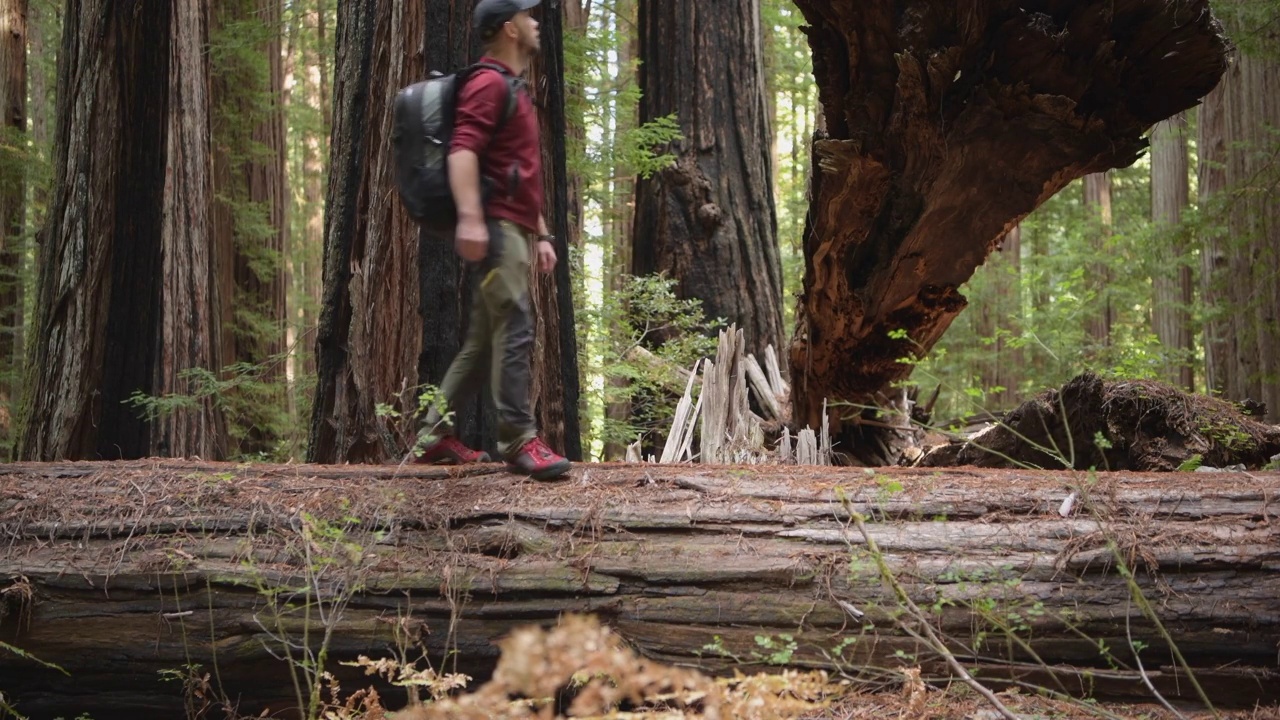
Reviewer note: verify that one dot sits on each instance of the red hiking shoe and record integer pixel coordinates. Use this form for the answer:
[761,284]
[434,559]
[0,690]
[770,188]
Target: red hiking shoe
[538,461]
[449,450]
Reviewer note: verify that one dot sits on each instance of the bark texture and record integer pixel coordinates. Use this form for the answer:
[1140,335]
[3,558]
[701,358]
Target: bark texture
[1098,211]
[98,299]
[444,284]
[369,334]
[709,220]
[13,170]
[1211,180]
[1170,191]
[555,390]
[155,565]
[189,299]
[1251,244]
[250,217]
[947,124]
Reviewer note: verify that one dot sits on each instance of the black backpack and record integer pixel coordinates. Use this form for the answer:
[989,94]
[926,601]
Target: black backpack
[421,133]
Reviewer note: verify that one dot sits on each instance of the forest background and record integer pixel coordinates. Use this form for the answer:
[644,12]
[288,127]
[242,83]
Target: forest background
[1168,269]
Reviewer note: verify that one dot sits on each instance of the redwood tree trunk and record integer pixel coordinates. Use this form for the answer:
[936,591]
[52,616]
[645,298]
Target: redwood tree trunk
[13,103]
[945,124]
[1252,242]
[250,217]
[709,220]
[555,389]
[97,307]
[1099,316]
[369,334]
[1211,181]
[1170,189]
[189,319]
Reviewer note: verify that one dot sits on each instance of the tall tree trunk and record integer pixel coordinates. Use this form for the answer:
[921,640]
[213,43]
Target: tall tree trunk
[1253,176]
[369,333]
[945,124]
[189,301]
[709,220]
[1170,190]
[251,215]
[444,285]
[555,387]
[1000,366]
[1214,281]
[1238,177]
[13,187]
[95,336]
[1097,203]
[314,150]
[621,213]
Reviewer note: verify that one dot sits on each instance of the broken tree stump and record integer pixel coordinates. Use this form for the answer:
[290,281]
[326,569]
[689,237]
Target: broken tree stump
[117,572]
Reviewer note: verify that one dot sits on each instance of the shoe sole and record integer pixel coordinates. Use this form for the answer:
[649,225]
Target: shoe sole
[547,473]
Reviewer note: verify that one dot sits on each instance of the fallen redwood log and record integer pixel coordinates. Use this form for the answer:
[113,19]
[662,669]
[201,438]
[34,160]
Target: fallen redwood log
[120,572]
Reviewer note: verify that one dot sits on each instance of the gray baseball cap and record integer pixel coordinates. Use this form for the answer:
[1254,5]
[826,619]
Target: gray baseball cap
[491,14]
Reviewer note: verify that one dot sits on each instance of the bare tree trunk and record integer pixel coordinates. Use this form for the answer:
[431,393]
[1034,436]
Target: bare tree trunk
[1211,182]
[369,333]
[98,295]
[555,387]
[1170,190]
[1000,367]
[251,215]
[1254,226]
[13,190]
[189,321]
[945,124]
[622,215]
[1097,202]
[709,220]
[446,287]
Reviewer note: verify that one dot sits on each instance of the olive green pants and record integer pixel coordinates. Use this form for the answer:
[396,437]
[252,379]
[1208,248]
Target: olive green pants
[498,342]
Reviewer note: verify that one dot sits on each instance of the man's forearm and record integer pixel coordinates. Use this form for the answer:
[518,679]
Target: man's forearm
[464,181]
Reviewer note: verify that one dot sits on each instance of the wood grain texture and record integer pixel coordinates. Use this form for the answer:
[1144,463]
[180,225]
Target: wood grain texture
[673,557]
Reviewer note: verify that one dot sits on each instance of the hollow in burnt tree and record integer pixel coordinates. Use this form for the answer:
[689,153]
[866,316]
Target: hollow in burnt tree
[946,124]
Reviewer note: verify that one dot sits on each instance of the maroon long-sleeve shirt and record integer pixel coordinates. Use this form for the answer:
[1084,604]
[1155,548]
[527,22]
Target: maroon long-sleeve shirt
[512,161]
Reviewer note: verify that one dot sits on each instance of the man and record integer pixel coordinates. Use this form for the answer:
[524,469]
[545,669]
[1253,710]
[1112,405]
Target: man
[493,228]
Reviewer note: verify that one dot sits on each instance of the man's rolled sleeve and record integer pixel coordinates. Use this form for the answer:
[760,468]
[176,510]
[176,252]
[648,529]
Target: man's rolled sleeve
[479,106]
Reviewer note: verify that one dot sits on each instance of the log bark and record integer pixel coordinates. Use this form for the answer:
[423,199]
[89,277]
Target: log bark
[97,300]
[154,565]
[709,220]
[945,125]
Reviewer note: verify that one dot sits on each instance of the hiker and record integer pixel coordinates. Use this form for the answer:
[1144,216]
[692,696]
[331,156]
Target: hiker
[493,233]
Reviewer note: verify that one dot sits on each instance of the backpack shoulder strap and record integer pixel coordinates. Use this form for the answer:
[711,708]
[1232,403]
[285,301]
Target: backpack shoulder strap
[513,84]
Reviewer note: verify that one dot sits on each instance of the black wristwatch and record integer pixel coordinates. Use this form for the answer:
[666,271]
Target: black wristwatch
[547,238]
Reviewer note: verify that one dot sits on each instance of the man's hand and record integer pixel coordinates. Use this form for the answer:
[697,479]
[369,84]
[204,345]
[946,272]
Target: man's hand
[472,240]
[546,256]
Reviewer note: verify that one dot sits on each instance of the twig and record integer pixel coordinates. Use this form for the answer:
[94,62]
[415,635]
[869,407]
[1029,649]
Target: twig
[914,609]
[1137,656]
